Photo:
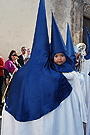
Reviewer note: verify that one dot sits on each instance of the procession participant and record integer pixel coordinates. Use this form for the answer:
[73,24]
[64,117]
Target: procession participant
[36,90]
[72,56]
[72,124]
[86,69]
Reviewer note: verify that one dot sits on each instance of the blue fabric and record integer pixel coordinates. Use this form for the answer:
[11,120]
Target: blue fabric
[58,46]
[36,93]
[69,46]
[37,88]
[66,67]
[89,73]
[88,46]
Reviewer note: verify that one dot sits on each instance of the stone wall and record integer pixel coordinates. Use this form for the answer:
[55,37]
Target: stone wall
[79,9]
[87,8]
[61,10]
[71,11]
[77,21]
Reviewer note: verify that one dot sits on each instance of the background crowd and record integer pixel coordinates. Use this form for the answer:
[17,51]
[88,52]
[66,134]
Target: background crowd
[11,65]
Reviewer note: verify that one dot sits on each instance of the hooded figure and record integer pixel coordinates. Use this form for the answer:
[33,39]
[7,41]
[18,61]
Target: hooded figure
[86,69]
[70,50]
[72,56]
[59,46]
[37,89]
[69,121]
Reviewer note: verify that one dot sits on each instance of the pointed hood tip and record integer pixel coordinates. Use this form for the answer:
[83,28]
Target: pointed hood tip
[57,43]
[88,45]
[41,38]
[69,45]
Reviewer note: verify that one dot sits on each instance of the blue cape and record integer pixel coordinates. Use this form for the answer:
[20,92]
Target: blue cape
[37,88]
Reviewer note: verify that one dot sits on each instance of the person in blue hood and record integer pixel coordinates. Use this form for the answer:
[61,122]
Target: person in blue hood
[86,69]
[37,88]
[71,52]
[69,121]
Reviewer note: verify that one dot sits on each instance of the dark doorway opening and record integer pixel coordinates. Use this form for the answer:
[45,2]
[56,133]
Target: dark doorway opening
[86,23]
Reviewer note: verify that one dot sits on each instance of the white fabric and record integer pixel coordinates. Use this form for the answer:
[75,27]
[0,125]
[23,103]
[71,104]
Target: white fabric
[88,119]
[66,119]
[86,70]
[78,86]
[82,83]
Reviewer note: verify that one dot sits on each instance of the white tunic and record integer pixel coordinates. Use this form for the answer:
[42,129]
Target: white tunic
[82,83]
[88,119]
[86,70]
[66,119]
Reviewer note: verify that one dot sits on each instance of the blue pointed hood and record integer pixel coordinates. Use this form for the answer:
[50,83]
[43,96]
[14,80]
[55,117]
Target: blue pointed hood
[58,46]
[69,46]
[36,88]
[57,43]
[41,41]
[25,83]
[88,45]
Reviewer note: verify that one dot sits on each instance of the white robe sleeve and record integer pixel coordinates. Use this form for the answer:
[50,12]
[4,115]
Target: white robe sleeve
[77,87]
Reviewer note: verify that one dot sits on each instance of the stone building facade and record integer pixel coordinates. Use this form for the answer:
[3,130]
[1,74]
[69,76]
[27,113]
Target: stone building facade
[80,14]
[76,13]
